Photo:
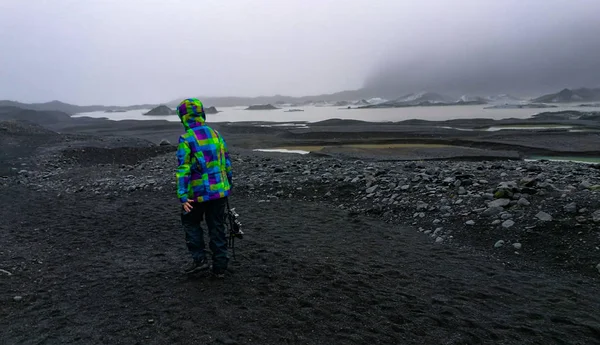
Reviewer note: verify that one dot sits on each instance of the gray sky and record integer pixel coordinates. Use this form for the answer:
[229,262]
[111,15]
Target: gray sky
[145,51]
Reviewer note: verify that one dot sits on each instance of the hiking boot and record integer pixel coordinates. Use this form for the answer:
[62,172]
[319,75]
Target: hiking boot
[219,275]
[195,266]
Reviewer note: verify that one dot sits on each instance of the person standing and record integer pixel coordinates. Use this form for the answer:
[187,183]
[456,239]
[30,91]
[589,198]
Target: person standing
[204,182]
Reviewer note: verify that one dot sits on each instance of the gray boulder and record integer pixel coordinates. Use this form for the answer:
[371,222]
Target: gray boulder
[499,203]
[543,216]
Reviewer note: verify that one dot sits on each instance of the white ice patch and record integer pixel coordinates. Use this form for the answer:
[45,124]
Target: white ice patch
[283,151]
[293,125]
[559,160]
[458,129]
[494,129]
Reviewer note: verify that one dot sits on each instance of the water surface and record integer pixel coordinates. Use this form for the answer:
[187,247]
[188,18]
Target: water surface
[314,114]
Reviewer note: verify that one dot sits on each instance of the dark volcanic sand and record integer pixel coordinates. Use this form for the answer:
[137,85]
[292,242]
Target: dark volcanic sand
[92,269]
[97,271]
[104,268]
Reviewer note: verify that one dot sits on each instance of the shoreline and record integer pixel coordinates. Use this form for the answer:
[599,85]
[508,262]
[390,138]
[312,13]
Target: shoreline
[468,138]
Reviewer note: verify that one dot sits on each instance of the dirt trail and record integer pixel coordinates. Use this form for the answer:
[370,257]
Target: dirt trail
[92,270]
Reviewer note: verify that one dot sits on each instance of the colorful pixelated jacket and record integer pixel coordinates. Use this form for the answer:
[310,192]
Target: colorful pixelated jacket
[204,170]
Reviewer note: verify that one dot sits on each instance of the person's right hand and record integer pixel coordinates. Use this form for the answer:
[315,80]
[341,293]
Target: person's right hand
[187,206]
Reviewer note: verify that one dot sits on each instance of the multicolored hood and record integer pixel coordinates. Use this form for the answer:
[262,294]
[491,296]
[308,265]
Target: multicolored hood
[191,113]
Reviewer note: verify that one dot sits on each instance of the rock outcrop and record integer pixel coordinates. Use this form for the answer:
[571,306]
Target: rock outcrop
[211,110]
[262,107]
[161,110]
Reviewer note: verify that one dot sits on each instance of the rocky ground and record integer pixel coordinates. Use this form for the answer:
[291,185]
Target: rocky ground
[336,250]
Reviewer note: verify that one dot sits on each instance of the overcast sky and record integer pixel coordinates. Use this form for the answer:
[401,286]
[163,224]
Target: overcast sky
[144,51]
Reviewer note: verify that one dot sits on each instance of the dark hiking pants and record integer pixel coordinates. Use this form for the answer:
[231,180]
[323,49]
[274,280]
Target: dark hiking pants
[214,212]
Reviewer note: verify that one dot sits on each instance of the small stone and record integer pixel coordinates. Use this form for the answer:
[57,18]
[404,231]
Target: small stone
[462,191]
[371,190]
[150,320]
[508,223]
[517,246]
[164,142]
[570,208]
[596,216]
[17,298]
[499,244]
[496,222]
[544,217]
[470,222]
[499,203]
[421,205]
[492,211]
[440,240]
[523,202]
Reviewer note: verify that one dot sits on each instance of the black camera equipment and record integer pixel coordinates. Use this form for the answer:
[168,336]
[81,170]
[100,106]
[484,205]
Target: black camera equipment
[234,228]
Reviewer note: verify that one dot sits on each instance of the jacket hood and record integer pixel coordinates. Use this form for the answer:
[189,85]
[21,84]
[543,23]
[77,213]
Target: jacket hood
[191,113]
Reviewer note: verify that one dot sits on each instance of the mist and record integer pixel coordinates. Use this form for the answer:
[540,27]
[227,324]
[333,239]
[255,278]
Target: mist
[489,47]
[136,51]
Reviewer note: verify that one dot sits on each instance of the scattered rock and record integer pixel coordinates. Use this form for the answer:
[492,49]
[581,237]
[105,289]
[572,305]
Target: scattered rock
[508,223]
[372,190]
[492,211]
[499,244]
[596,216]
[499,203]
[570,208]
[422,205]
[517,246]
[470,222]
[523,202]
[543,216]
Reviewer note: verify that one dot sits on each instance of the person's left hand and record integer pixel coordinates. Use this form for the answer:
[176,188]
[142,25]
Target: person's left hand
[187,206]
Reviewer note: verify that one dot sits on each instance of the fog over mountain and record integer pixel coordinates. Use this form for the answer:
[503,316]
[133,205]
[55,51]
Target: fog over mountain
[136,51]
[490,47]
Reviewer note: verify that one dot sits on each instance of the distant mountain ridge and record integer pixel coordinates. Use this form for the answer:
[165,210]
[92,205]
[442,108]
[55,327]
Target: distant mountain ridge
[360,97]
[281,99]
[568,96]
[71,108]
[41,117]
